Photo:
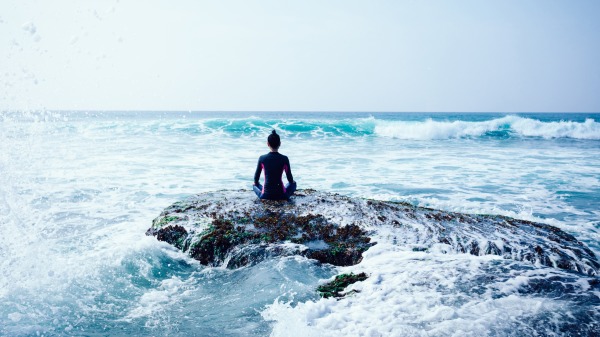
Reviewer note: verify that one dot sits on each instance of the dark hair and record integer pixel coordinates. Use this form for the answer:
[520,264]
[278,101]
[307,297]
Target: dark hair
[274,140]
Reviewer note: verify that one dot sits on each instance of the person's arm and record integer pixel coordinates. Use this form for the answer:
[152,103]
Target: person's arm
[288,171]
[257,172]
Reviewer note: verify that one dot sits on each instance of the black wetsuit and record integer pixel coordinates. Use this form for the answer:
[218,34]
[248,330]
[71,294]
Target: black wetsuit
[274,164]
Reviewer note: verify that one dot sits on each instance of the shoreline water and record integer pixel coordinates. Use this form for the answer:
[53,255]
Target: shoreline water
[80,190]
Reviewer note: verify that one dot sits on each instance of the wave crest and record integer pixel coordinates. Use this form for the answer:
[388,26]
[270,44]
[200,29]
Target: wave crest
[509,126]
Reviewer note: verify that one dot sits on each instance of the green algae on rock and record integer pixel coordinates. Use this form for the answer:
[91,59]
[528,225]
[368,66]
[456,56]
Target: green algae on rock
[335,287]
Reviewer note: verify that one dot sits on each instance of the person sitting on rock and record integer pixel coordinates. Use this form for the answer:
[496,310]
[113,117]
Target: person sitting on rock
[274,164]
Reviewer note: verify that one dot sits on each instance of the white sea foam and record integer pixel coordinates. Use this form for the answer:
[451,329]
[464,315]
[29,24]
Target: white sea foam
[152,302]
[419,294]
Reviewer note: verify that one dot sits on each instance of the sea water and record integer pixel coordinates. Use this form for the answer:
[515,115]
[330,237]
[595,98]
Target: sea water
[79,189]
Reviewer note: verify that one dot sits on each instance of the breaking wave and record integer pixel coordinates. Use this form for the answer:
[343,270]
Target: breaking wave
[505,127]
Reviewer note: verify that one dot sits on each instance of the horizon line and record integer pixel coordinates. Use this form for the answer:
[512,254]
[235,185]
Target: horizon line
[281,111]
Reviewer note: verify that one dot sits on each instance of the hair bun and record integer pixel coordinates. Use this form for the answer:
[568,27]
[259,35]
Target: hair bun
[274,140]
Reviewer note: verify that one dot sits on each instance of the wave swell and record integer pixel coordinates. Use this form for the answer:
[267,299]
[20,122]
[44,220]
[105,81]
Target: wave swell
[505,127]
[428,129]
[396,126]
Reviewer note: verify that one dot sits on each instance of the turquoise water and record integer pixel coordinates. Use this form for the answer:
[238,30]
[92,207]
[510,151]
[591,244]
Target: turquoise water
[81,188]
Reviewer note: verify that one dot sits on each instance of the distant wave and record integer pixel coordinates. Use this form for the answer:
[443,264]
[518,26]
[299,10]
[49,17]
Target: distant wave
[254,126]
[465,126]
[504,127]
[509,126]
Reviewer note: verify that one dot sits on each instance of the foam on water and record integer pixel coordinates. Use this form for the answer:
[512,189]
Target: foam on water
[79,190]
[429,294]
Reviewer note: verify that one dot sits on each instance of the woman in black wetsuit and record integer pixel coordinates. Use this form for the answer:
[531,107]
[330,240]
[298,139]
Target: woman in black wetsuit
[274,164]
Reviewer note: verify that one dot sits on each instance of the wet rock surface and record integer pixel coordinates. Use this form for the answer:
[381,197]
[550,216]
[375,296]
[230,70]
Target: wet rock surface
[234,229]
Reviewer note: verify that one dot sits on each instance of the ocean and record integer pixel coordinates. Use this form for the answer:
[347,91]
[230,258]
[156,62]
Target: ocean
[80,189]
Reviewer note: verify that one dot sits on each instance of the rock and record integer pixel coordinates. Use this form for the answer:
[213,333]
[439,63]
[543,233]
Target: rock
[335,287]
[225,231]
[234,229]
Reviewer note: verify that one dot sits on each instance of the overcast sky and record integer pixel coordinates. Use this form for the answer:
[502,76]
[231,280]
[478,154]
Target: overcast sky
[303,55]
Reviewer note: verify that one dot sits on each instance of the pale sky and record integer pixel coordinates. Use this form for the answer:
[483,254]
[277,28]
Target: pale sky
[303,55]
